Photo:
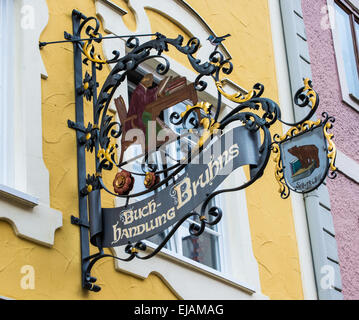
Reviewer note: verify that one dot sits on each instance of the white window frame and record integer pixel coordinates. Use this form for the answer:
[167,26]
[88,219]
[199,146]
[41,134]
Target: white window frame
[7,24]
[175,244]
[183,232]
[348,97]
[240,280]
[24,193]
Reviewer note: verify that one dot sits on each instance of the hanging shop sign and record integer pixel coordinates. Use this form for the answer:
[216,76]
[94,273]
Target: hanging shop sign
[306,153]
[166,207]
[175,189]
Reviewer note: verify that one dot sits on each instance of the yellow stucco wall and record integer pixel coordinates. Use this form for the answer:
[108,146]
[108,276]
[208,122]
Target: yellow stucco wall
[58,269]
[271,220]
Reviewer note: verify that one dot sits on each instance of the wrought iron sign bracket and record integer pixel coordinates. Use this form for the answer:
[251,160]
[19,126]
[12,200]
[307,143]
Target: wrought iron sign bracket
[252,144]
[78,222]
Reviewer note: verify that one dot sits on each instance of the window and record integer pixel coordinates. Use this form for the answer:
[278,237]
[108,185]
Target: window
[203,250]
[6,92]
[346,38]
[24,179]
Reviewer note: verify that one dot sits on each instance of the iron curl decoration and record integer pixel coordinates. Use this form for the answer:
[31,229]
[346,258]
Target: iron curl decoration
[215,67]
[252,111]
[328,124]
[87,47]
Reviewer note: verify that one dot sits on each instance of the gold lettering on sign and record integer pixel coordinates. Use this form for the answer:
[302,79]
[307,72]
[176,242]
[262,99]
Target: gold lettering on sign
[116,233]
[211,166]
[127,233]
[184,196]
[152,207]
[234,151]
[128,215]
[204,183]
[131,215]
[185,191]
[171,214]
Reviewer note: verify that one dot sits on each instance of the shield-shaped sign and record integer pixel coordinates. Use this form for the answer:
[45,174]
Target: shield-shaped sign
[305,160]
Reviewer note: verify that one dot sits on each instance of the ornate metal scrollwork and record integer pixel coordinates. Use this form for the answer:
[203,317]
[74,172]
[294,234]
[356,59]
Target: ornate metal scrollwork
[278,172]
[297,131]
[253,111]
[331,146]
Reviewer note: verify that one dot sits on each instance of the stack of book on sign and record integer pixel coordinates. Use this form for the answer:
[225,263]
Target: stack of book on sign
[174,85]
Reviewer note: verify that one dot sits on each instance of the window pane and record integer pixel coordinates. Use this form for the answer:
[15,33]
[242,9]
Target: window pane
[179,149]
[203,249]
[210,218]
[347,50]
[158,239]
[357,32]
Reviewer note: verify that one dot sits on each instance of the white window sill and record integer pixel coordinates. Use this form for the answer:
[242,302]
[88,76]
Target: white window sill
[18,196]
[30,219]
[187,262]
[353,101]
[347,166]
[188,279]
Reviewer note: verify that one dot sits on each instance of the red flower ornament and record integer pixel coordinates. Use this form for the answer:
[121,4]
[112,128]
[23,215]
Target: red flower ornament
[151,179]
[123,183]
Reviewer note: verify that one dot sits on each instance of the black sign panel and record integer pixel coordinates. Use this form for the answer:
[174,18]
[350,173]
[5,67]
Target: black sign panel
[207,171]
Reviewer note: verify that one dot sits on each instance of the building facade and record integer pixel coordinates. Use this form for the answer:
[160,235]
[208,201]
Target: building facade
[264,248]
[332,30]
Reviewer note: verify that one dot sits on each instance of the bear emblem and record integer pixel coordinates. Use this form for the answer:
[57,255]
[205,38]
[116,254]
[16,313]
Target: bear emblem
[307,155]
